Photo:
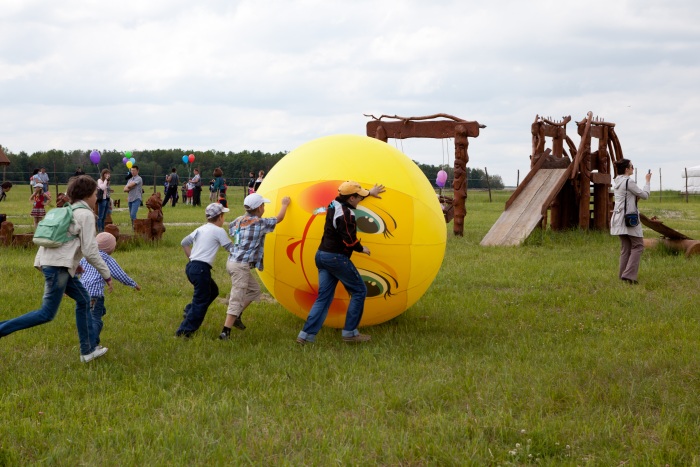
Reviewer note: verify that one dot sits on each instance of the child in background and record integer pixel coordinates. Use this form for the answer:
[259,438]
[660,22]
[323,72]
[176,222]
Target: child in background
[249,233]
[190,193]
[94,283]
[40,200]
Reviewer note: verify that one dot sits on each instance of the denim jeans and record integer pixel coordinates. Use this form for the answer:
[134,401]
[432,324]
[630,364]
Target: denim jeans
[334,267]
[102,207]
[58,282]
[134,209]
[205,292]
[98,310]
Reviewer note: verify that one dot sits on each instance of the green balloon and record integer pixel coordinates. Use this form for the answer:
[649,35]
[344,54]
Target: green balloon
[128,154]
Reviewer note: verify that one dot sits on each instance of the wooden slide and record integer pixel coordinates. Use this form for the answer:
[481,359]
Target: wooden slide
[526,208]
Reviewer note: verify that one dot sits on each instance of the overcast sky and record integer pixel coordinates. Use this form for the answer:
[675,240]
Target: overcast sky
[272,75]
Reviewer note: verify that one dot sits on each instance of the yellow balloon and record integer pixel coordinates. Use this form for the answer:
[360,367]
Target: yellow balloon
[404,230]
[129,164]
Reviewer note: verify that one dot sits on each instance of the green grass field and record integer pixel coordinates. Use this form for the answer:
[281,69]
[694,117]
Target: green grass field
[530,355]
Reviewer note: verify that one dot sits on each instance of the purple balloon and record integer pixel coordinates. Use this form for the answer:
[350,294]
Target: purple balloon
[441,178]
[124,159]
[95,157]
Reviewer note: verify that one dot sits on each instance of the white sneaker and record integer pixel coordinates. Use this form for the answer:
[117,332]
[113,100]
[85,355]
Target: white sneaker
[98,352]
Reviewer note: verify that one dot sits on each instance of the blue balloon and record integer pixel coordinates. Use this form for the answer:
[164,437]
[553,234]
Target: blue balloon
[185,159]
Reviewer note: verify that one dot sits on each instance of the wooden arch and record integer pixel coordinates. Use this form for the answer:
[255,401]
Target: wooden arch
[430,127]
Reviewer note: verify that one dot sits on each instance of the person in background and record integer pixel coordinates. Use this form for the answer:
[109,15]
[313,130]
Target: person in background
[338,242]
[251,183]
[79,171]
[219,183]
[200,248]
[43,178]
[631,238]
[212,192]
[103,198]
[39,201]
[196,180]
[259,181]
[60,266]
[173,184]
[4,188]
[33,180]
[135,189]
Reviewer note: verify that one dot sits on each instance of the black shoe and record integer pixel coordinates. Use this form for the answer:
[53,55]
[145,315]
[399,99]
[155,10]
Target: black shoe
[238,324]
[224,337]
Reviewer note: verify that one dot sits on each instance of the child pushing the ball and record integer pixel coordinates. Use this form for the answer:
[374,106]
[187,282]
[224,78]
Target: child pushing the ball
[248,232]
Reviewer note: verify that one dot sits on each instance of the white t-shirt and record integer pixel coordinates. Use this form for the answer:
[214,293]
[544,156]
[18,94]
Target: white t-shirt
[206,240]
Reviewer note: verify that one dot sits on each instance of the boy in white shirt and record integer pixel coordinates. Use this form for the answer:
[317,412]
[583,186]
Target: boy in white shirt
[200,247]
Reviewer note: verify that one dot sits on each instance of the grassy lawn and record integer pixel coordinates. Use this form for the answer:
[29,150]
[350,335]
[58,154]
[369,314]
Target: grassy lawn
[535,354]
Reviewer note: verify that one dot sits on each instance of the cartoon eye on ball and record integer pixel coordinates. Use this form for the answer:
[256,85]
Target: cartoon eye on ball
[370,222]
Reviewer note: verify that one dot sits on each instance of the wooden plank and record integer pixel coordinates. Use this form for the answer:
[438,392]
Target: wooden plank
[525,212]
[427,129]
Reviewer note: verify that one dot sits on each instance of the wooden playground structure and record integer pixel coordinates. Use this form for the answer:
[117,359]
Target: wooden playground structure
[429,126]
[572,186]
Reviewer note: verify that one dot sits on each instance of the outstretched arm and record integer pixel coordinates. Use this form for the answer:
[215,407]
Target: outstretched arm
[376,190]
[283,210]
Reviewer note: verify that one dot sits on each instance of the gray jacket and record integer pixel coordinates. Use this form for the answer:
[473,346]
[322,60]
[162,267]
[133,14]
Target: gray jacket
[631,192]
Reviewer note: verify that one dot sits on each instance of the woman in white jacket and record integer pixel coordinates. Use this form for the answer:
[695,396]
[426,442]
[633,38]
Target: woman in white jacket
[631,238]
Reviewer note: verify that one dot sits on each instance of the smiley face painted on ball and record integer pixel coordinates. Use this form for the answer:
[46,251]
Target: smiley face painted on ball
[404,230]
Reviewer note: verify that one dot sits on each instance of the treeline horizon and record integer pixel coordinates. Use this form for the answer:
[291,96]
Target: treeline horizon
[236,166]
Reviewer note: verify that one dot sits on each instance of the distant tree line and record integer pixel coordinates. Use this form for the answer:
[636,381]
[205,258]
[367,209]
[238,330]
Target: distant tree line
[159,162]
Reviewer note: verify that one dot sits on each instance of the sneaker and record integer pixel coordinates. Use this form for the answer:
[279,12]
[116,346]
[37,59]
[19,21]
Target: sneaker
[301,341]
[238,324]
[98,352]
[357,338]
[224,337]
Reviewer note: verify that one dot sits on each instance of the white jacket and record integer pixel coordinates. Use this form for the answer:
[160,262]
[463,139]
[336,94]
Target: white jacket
[631,192]
[69,254]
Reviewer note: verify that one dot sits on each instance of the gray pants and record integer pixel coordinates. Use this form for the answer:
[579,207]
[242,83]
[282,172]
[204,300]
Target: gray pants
[630,256]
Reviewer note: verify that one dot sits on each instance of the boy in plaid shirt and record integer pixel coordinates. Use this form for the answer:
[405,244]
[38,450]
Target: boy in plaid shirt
[94,284]
[248,232]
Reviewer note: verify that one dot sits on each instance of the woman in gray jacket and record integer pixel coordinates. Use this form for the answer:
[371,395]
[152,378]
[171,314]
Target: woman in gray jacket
[60,267]
[631,238]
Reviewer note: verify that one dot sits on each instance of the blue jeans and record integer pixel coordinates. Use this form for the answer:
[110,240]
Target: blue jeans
[98,310]
[334,267]
[134,209]
[58,282]
[102,207]
[205,292]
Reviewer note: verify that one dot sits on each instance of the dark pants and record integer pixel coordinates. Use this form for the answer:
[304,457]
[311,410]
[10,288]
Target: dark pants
[171,193]
[197,198]
[205,292]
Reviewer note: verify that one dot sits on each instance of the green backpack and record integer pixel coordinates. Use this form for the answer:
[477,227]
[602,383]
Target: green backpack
[52,230]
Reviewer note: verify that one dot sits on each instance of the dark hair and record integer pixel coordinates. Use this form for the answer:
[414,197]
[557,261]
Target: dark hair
[6,185]
[135,167]
[173,169]
[622,165]
[218,172]
[344,198]
[36,171]
[80,187]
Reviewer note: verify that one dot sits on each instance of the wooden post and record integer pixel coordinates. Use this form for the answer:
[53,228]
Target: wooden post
[155,164]
[488,184]
[659,183]
[517,180]
[686,184]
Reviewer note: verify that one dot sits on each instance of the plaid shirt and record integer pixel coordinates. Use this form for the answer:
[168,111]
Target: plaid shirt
[251,239]
[94,283]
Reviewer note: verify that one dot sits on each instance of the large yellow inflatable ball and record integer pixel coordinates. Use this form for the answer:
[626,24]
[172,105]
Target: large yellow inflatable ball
[404,230]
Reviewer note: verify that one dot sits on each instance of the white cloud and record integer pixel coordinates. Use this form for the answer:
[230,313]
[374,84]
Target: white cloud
[273,74]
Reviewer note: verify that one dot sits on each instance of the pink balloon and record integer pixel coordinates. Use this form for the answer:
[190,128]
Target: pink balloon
[191,158]
[441,178]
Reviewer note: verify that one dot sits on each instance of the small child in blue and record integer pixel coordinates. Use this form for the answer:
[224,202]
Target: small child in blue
[94,283]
